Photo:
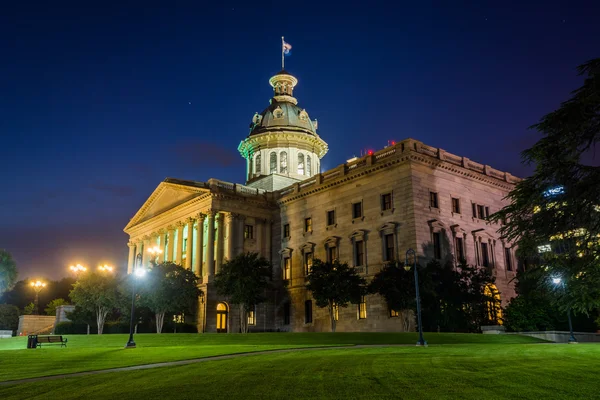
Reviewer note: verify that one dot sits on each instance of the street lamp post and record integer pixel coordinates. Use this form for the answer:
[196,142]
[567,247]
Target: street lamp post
[202,301]
[37,286]
[421,341]
[137,272]
[557,282]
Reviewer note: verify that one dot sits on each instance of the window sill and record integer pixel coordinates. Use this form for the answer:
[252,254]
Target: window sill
[387,212]
[307,233]
[330,227]
[359,219]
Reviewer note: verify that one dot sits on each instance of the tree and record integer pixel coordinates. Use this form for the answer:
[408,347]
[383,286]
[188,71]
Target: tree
[557,208]
[244,279]
[8,271]
[53,305]
[97,293]
[9,317]
[169,287]
[334,284]
[29,309]
[396,286]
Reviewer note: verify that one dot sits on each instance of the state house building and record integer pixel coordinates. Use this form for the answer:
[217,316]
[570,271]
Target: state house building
[366,212]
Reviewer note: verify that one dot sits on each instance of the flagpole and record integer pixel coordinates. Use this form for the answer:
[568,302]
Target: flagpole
[282,58]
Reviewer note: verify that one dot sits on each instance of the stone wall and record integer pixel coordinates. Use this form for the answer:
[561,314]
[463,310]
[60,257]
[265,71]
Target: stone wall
[33,324]
[562,336]
[61,314]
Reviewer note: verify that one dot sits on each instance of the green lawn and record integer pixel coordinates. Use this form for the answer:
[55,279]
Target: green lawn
[473,371]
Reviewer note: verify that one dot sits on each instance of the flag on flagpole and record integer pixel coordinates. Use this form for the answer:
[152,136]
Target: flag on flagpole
[287,48]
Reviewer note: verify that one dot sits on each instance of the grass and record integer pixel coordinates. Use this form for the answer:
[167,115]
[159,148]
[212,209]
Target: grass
[473,371]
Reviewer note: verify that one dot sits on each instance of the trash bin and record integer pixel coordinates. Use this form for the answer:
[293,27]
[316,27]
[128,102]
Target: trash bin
[31,341]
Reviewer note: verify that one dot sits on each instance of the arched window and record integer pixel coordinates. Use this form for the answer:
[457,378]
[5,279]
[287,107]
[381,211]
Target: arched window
[257,165]
[273,162]
[283,169]
[493,304]
[308,166]
[300,164]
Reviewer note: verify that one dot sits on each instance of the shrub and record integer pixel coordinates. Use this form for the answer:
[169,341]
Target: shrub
[116,327]
[65,328]
[9,317]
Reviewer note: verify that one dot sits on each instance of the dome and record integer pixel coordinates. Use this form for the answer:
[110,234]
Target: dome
[282,115]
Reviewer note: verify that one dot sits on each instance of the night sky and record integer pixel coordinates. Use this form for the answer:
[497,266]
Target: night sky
[99,103]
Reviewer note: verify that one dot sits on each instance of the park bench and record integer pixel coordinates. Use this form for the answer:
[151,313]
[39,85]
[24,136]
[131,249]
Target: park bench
[53,339]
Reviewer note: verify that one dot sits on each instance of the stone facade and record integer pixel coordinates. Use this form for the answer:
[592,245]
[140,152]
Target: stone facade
[366,212]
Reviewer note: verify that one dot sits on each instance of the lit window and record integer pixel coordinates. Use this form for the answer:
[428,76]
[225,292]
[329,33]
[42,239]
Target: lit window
[300,164]
[252,316]
[287,268]
[357,210]
[544,248]
[330,217]
[248,232]
[308,262]
[433,200]
[336,312]
[455,205]
[283,169]
[394,313]
[273,163]
[359,253]
[362,308]
[308,312]
[307,224]
[286,230]
[386,201]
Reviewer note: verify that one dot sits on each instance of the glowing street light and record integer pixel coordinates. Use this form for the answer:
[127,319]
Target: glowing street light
[37,286]
[155,251]
[76,269]
[557,280]
[105,268]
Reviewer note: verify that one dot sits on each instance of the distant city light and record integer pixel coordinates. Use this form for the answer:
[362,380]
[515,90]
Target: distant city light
[544,248]
[556,281]
[555,191]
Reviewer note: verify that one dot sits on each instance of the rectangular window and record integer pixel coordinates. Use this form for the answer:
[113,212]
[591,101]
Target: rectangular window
[437,246]
[460,250]
[485,257]
[331,254]
[307,224]
[433,200]
[508,258]
[248,232]
[357,210]
[455,205]
[286,230]
[185,246]
[308,312]
[487,212]
[252,316]
[308,261]
[287,313]
[480,212]
[287,268]
[474,206]
[359,253]
[362,308]
[330,217]
[394,313]
[336,312]
[389,247]
[386,201]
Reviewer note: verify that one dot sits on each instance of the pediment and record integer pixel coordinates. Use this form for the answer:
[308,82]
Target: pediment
[165,197]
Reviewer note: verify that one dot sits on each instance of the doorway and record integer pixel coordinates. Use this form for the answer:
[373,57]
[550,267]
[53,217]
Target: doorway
[221,318]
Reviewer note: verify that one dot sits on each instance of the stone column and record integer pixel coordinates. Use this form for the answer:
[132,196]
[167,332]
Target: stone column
[163,245]
[241,223]
[145,253]
[179,253]
[190,243]
[210,244]
[220,242]
[199,244]
[229,219]
[170,245]
[131,258]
